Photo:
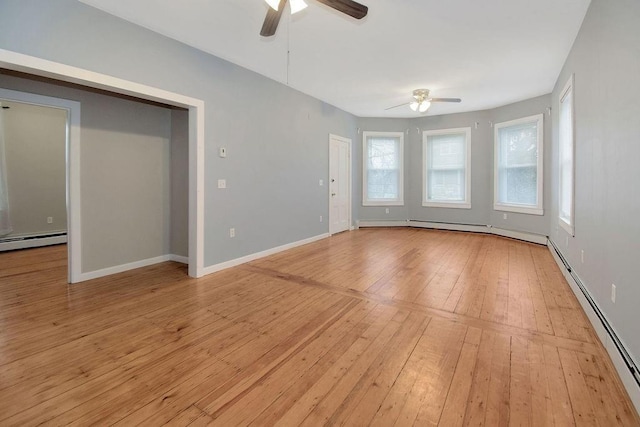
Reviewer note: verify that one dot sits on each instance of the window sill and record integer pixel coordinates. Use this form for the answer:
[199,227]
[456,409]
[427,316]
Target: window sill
[566,226]
[519,209]
[383,203]
[449,205]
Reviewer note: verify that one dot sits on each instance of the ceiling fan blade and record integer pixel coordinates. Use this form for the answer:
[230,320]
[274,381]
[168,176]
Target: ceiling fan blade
[271,21]
[349,7]
[396,106]
[444,100]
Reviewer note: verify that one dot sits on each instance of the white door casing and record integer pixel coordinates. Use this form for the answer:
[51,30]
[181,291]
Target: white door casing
[339,184]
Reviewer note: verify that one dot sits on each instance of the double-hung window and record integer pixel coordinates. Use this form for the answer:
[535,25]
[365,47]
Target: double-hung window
[518,165]
[566,144]
[447,168]
[383,174]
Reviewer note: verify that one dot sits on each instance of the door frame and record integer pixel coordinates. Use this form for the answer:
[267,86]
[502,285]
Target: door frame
[72,169]
[349,142]
[41,67]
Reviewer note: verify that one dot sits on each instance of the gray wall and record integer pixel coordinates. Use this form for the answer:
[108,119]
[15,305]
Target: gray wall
[606,62]
[277,144]
[125,188]
[481,212]
[481,169]
[35,144]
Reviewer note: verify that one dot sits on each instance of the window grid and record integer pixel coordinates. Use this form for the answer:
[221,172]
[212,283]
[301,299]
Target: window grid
[566,158]
[383,174]
[518,165]
[446,168]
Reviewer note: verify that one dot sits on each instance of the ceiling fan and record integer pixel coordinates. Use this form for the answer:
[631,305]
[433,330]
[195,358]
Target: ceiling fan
[421,101]
[274,13]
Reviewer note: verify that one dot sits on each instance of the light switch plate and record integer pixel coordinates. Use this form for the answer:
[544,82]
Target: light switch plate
[222,183]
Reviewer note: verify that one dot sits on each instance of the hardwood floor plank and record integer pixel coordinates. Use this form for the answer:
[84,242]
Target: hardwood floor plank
[393,326]
[458,395]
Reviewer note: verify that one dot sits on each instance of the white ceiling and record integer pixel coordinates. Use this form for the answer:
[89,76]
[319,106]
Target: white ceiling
[489,53]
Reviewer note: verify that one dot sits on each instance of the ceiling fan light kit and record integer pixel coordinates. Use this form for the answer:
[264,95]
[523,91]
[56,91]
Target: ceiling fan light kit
[296,5]
[421,101]
[270,25]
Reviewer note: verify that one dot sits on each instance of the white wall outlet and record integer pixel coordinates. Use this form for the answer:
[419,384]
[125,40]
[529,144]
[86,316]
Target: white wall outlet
[320,218]
[613,293]
[386,210]
[222,183]
[223,152]
[504,216]
[582,256]
[321,182]
[232,232]
[49,220]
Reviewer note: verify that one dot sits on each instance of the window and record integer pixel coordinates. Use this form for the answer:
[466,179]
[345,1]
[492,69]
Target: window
[518,165]
[567,147]
[447,168]
[382,172]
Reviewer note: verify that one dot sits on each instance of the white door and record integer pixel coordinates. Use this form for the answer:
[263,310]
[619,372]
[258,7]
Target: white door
[339,184]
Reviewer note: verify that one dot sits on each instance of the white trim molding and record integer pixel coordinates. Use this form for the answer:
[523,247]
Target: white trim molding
[567,150]
[123,267]
[72,171]
[498,205]
[399,201]
[389,223]
[473,228]
[440,203]
[41,67]
[252,257]
[179,258]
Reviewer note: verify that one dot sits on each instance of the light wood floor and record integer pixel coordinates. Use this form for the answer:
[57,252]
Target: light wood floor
[372,327]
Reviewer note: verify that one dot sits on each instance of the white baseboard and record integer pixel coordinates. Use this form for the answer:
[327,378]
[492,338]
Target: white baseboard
[123,267]
[520,235]
[626,376]
[185,260]
[388,223]
[179,258]
[262,254]
[486,229]
[32,243]
[452,227]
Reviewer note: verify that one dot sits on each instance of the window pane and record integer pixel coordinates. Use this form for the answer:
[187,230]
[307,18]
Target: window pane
[383,153]
[447,185]
[446,163]
[383,172]
[518,164]
[566,158]
[382,184]
[520,185]
[446,151]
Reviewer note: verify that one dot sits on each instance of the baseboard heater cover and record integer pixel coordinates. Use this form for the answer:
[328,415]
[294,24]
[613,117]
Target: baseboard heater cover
[473,228]
[32,241]
[620,347]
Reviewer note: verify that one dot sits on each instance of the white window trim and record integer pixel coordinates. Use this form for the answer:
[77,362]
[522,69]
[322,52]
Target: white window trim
[568,226]
[383,202]
[466,203]
[533,210]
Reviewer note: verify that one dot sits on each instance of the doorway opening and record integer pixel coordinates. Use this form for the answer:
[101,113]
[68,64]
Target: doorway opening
[33,202]
[42,68]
